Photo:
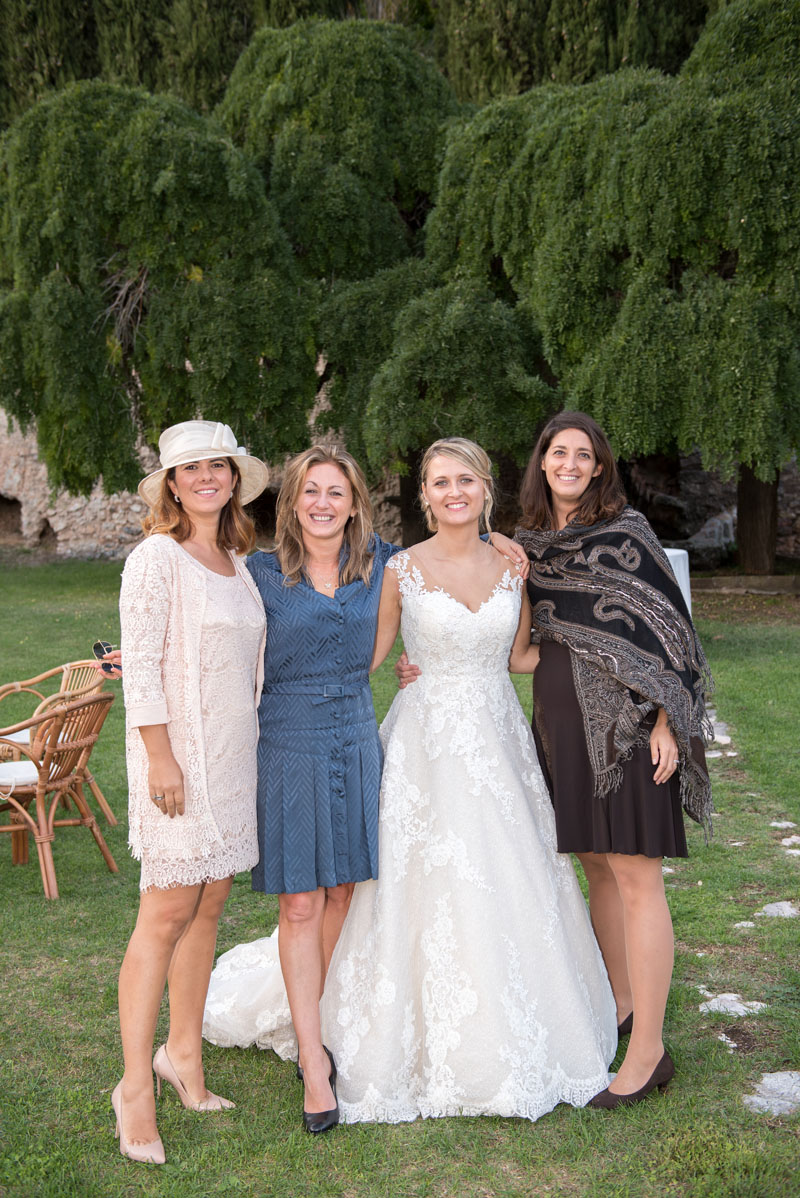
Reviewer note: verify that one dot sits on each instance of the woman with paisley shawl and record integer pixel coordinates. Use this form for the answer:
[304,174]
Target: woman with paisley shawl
[619,718]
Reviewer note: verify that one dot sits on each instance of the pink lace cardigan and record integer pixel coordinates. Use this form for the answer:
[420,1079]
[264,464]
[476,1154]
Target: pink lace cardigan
[162,601]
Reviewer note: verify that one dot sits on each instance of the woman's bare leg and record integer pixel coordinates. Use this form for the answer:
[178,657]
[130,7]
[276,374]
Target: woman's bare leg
[163,917]
[608,921]
[337,904]
[300,947]
[188,977]
[650,949]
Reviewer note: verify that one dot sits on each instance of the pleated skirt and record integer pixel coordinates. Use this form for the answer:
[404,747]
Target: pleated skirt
[319,779]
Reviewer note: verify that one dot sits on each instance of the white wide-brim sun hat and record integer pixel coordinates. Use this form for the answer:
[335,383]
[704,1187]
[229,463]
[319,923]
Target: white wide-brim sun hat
[195,441]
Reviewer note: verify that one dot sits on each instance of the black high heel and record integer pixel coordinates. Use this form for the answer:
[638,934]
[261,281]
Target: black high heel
[317,1122]
[299,1072]
[663,1073]
[626,1027]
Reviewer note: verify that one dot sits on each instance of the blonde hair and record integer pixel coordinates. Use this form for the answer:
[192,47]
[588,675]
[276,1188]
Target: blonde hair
[358,536]
[470,455]
[235,530]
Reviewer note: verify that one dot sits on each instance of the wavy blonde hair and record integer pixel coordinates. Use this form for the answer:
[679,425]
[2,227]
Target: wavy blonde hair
[468,454]
[235,530]
[358,535]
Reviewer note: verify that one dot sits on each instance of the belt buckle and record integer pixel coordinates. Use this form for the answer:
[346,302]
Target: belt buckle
[332,692]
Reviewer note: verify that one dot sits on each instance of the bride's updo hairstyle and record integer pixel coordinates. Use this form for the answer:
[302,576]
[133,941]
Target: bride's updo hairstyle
[603,498]
[476,461]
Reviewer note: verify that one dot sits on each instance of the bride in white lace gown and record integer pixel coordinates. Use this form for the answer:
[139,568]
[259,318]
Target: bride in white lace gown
[467,979]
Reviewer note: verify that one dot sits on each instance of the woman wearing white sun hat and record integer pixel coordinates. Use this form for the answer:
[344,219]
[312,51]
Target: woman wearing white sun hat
[193,631]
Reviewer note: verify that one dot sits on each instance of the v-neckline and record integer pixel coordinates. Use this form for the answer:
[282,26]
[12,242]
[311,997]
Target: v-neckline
[440,590]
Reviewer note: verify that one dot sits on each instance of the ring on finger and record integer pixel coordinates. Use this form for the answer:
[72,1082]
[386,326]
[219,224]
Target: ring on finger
[157,799]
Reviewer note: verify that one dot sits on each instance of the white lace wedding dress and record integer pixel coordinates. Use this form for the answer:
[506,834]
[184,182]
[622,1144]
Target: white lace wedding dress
[467,980]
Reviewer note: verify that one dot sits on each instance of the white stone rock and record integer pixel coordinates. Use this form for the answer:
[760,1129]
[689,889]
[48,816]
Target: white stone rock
[731,1004]
[704,990]
[792,852]
[777,823]
[713,753]
[721,738]
[745,923]
[701,954]
[776,1094]
[667,869]
[783,910]
[726,1040]
[736,844]
[790,840]
[731,754]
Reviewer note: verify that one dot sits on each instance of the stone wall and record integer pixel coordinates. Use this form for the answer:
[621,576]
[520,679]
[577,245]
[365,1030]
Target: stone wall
[110,525]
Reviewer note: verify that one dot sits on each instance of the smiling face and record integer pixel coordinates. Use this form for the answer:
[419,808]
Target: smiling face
[324,502]
[569,465]
[203,487]
[455,493]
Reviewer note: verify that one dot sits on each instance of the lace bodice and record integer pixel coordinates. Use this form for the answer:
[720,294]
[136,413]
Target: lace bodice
[445,638]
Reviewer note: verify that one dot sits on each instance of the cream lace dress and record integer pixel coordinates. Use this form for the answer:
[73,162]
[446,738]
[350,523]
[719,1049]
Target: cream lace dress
[192,643]
[467,979]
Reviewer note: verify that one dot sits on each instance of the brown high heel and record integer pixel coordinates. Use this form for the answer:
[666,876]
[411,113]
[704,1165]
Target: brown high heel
[165,1071]
[663,1073]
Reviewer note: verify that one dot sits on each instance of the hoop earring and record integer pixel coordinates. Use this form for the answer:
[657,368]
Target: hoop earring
[177,498]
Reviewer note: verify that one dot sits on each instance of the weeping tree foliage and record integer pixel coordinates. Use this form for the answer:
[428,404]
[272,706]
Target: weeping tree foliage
[185,47]
[43,46]
[345,119]
[492,48]
[143,280]
[650,227]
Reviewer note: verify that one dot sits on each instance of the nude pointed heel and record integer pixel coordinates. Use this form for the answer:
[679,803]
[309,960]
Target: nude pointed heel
[165,1071]
[151,1153]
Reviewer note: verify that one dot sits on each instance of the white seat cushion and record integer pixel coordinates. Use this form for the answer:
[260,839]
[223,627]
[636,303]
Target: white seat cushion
[17,773]
[19,738]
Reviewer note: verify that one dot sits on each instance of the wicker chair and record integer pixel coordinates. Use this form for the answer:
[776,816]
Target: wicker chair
[75,679]
[52,764]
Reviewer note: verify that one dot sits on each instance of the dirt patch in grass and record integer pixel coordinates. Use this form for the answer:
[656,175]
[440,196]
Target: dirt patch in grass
[751,609]
[746,1041]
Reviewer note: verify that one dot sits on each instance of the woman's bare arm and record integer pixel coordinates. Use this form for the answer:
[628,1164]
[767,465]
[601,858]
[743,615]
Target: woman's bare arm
[388,618]
[524,656]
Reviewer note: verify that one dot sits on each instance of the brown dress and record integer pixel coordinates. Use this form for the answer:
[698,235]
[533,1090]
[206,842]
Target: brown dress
[637,817]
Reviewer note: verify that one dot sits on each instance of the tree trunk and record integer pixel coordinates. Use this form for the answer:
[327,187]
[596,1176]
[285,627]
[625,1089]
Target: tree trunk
[411,517]
[756,523]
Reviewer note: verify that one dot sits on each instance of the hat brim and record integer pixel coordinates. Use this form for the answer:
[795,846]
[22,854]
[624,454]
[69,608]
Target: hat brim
[254,478]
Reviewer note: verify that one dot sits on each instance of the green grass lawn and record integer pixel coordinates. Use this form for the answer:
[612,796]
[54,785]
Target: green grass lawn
[59,1045]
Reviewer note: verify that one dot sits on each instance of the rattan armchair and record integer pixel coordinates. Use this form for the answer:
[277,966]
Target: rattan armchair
[52,764]
[74,680]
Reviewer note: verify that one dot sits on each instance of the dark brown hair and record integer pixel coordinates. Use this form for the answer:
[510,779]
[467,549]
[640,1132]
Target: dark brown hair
[603,498]
[235,530]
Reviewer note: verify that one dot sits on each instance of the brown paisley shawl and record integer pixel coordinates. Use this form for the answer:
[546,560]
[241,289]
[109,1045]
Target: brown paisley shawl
[608,593]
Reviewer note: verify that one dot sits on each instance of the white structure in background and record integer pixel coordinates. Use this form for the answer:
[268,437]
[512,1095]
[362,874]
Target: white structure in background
[679,560]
